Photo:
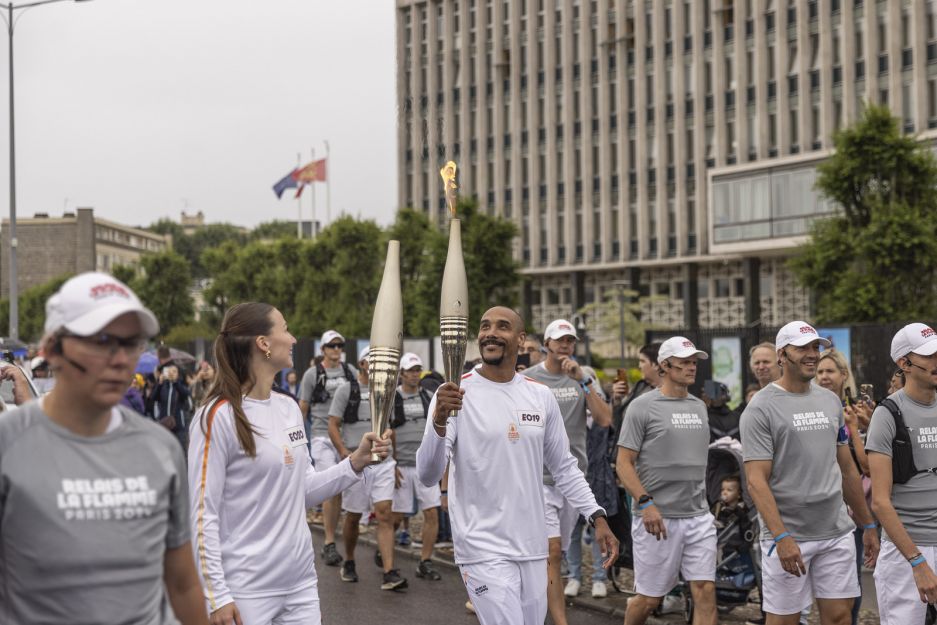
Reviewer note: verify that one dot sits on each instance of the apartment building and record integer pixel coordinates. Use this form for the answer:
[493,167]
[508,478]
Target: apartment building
[666,146]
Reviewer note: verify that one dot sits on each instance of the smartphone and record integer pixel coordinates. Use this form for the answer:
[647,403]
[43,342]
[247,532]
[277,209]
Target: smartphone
[865,392]
[623,377]
[523,360]
[850,400]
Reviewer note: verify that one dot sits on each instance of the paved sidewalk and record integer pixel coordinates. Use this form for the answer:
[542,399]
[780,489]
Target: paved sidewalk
[615,603]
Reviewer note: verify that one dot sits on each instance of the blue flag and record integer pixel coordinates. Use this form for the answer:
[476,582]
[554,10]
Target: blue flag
[287,182]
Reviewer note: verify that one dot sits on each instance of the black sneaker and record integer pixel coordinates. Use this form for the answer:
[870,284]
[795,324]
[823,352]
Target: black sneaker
[330,555]
[393,581]
[428,571]
[378,559]
[348,571]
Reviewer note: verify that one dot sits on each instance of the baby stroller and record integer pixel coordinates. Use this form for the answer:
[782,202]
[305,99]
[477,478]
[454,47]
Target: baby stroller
[738,567]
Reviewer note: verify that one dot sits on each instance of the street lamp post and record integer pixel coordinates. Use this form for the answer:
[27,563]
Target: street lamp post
[580,323]
[621,318]
[14,274]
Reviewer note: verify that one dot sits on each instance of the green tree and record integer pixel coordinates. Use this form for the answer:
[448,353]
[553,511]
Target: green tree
[333,281]
[125,273]
[877,260]
[191,246]
[422,245]
[164,286]
[32,309]
[276,229]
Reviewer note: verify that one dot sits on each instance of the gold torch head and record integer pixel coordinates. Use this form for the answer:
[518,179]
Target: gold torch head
[450,187]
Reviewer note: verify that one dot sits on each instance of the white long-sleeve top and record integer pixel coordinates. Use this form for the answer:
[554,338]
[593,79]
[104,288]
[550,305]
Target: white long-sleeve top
[497,446]
[248,514]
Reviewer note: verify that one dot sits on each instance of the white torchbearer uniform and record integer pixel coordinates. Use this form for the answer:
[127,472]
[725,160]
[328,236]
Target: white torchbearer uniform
[248,515]
[497,447]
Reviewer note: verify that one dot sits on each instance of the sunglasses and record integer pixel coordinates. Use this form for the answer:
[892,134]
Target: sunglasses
[109,344]
[336,345]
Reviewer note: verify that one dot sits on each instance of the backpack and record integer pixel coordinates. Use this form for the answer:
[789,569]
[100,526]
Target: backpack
[399,417]
[902,456]
[320,395]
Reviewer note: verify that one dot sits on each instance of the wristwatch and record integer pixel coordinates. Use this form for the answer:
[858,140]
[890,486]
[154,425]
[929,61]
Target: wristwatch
[598,514]
[643,499]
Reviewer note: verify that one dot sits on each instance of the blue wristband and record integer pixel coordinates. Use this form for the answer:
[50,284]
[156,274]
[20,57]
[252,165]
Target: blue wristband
[646,504]
[584,387]
[918,560]
[870,526]
[778,539]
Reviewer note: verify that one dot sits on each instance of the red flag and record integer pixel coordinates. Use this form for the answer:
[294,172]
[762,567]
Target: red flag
[313,172]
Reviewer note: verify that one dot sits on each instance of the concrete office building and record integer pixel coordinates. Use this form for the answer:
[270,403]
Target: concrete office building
[49,247]
[669,145]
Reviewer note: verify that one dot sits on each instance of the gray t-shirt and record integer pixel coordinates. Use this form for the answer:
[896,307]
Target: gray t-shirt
[410,434]
[319,412]
[916,500]
[800,434]
[572,401]
[671,436]
[352,432]
[85,522]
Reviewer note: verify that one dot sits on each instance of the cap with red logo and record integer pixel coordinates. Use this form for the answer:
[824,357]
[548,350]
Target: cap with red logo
[914,338]
[558,329]
[85,304]
[410,360]
[798,334]
[679,347]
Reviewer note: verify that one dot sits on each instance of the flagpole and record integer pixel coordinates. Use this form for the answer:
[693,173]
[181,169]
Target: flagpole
[299,202]
[328,185]
[312,190]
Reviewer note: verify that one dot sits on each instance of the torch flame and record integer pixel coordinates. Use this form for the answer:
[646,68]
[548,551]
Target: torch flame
[449,185]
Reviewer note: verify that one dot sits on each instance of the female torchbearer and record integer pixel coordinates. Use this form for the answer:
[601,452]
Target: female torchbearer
[251,479]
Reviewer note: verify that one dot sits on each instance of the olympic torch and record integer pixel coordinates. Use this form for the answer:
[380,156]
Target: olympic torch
[453,302]
[386,343]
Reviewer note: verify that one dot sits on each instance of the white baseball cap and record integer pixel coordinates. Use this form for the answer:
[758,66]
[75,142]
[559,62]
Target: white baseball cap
[364,353]
[914,338]
[410,360]
[558,329]
[36,362]
[798,334]
[330,335]
[679,347]
[85,304]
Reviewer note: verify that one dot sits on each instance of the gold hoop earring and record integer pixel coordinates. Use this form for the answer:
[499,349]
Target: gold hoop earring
[267,354]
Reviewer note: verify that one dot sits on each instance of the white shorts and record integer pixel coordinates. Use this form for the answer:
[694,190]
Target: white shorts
[561,517]
[411,487]
[831,574]
[899,602]
[377,485]
[507,592]
[293,609]
[688,550]
[323,452]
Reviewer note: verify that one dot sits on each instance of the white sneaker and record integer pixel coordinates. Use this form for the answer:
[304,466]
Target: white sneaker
[598,590]
[671,605]
[572,588]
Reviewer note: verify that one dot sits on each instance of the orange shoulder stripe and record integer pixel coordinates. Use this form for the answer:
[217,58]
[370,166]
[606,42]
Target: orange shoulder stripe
[203,560]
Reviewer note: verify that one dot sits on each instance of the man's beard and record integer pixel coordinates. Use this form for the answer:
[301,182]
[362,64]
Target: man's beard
[494,361]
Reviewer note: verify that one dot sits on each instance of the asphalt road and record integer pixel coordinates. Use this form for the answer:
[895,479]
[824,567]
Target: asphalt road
[424,603]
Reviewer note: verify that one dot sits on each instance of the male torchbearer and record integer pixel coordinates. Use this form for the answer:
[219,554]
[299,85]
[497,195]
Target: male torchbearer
[506,428]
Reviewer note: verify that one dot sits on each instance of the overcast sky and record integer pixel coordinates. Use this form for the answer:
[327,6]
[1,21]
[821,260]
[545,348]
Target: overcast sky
[139,107]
